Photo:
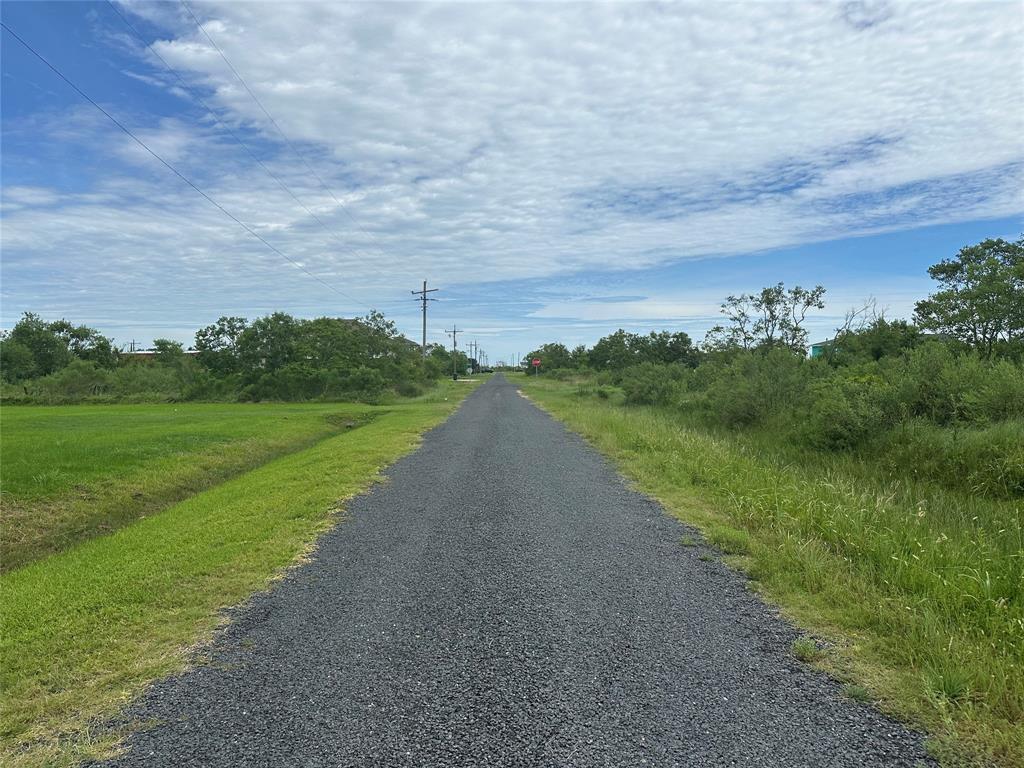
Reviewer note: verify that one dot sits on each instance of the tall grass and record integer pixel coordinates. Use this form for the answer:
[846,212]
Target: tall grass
[921,587]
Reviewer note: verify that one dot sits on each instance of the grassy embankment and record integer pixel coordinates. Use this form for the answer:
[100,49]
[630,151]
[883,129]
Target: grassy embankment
[86,629]
[918,590]
[74,472]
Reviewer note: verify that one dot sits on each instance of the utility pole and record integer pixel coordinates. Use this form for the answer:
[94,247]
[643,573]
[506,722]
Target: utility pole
[423,298]
[455,347]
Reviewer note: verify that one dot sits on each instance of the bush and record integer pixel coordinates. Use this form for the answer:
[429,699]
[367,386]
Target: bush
[998,396]
[755,387]
[364,384]
[986,461]
[653,384]
[409,389]
[140,379]
[847,409]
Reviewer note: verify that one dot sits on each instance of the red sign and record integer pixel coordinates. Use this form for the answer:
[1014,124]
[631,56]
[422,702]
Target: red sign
[536,362]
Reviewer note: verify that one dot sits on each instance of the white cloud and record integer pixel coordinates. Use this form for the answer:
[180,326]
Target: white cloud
[483,142]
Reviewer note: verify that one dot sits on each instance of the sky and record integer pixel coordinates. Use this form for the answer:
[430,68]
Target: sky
[557,170]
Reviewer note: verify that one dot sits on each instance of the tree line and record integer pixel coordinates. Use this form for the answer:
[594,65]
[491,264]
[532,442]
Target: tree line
[979,307]
[276,357]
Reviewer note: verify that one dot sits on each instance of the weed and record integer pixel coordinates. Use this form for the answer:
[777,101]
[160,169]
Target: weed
[732,541]
[953,685]
[857,692]
[805,649]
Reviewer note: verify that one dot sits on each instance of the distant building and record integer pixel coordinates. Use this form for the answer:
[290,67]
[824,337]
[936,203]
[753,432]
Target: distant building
[819,348]
[147,355]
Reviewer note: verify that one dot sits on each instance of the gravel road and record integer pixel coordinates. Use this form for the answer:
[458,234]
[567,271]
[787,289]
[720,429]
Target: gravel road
[506,600]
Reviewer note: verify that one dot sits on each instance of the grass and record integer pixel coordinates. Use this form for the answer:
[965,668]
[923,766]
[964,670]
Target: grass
[73,472]
[857,692]
[918,589]
[805,649]
[85,630]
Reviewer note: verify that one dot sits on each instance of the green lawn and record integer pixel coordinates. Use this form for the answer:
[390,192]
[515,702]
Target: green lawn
[72,472]
[85,630]
[919,589]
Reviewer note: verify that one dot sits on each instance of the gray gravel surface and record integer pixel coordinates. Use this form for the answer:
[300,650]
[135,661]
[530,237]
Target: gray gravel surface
[506,600]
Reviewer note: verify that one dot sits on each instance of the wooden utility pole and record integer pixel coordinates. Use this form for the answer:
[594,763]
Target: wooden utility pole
[455,348]
[424,299]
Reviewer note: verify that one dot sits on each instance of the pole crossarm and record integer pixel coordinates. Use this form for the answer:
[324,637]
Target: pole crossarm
[422,293]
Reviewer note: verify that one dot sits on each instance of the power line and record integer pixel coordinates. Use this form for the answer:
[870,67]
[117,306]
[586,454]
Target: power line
[170,167]
[275,124]
[223,124]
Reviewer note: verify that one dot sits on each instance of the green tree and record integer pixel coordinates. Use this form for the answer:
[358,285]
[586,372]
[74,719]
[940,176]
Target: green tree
[665,347]
[168,352]
[268,344]
[774,317]
[612,352]
[880,338]
[86,343]
[981,297]
[579,357]
[16,361]
[49,350]
[217,345]
[552,356]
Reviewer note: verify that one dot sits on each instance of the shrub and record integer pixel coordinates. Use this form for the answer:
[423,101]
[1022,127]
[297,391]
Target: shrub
[78,380]
[653,384]
[364,384]
[845,412]
[409,389]
[755,387]
[987,461]
[140,379]
[998,396]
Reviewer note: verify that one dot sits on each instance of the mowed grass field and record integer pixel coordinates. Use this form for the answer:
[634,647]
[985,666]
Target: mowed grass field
[86,628]
[73,472]
[918,591]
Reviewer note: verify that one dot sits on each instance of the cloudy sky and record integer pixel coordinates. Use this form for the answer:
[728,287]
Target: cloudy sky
[558,170]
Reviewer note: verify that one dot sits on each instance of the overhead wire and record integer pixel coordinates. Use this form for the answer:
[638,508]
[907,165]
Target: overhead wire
[223,123]
[274,122]
[170,167]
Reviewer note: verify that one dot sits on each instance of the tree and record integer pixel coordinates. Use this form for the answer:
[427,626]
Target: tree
[87,343]
[866,335]
[981,298]
[552,356]
[217,345]
[49,351]
[579,357]
[612,352]
[772,318]
[16,361]
[267,345]
[665,347]
[168,352]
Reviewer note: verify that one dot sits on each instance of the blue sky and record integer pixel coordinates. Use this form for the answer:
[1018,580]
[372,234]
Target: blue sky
[558,170]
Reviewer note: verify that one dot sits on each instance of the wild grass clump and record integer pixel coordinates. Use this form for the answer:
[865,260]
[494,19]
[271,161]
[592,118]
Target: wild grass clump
[805,649]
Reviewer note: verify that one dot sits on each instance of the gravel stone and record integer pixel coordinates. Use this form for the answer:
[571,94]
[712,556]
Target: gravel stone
[506,600]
